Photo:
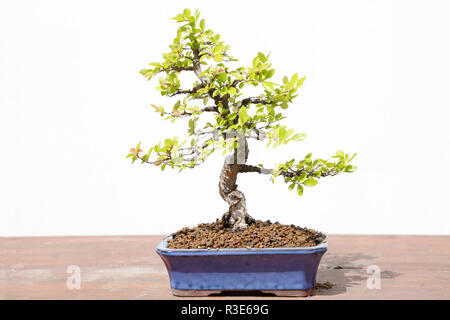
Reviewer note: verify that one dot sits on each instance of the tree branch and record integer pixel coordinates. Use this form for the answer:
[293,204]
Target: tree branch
[249,168]
[188,114]
[254,101]
[182,92]
[197,67]
[178,69]
[287,174]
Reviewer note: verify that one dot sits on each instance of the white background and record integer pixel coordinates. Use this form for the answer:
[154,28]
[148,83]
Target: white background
[72,103]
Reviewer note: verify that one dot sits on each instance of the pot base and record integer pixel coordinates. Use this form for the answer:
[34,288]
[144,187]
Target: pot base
[278,293]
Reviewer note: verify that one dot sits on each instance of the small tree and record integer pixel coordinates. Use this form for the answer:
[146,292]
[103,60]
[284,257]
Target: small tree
[227,117]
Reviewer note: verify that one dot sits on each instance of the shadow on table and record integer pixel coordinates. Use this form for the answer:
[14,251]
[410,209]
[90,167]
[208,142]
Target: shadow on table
[345,271]
[342,271]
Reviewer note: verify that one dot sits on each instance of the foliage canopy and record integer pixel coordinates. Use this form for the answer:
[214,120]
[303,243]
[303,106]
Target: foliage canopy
[219,111]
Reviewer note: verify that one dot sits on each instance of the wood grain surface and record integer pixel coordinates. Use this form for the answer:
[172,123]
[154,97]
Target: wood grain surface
[127,267]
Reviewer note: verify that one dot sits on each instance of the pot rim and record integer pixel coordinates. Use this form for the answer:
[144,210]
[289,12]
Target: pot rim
[162,247]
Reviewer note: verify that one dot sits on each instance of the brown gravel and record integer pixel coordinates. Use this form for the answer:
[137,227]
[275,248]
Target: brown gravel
[258,235]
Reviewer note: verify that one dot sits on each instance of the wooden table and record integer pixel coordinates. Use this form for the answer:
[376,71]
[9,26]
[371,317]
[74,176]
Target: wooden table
[127,267]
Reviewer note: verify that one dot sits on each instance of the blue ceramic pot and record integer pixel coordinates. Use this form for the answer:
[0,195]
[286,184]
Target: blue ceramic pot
[266,269]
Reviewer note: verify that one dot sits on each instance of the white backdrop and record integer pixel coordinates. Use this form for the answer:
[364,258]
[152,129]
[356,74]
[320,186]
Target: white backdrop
[72,103]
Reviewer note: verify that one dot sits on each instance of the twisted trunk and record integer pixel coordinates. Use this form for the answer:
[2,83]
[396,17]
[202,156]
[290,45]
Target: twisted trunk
[237,215]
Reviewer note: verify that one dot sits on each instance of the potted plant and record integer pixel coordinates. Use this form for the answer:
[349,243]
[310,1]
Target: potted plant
[236,252]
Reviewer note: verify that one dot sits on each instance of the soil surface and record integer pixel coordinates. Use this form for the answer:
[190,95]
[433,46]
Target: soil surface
[258,235]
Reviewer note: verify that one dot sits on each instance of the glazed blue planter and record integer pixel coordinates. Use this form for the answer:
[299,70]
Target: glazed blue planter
[195,272]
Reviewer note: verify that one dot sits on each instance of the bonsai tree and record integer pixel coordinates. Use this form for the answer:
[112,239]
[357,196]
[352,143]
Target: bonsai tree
[222,117]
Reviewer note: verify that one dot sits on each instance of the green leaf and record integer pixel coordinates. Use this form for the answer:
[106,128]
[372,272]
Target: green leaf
[299,136]
[187,13]
[202,25]
[243,117]
[291,186]
[232,91]
[350,168]
[191,126]
[268,86]
[300,82]
[293,80]
[179,17]
[255,62]
[300,190]
[352,157]
[281,134]
[302,176]
[221,77]
[261,57]
[311,182]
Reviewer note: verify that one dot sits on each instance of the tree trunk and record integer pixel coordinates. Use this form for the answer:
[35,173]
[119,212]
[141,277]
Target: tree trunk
[237,215]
